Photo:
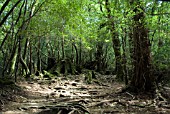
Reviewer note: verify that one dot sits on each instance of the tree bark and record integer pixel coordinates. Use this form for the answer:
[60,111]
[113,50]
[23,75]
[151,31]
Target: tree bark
[116,43]
[142,79]
[39,55]
[99,57]
[124,56]
[63,51]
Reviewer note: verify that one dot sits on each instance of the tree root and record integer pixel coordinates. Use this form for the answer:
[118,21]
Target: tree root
[1,104]
[161,99]
[70,108]
[108,101]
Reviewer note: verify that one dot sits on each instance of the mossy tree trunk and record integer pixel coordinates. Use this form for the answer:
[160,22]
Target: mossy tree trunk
[99,56]
[116,43]
[142,79]
[124,56]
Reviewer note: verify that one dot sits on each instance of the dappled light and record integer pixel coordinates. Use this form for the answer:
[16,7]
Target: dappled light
[84,56]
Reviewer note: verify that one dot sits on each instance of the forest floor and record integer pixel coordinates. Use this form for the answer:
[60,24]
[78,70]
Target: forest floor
[73,95]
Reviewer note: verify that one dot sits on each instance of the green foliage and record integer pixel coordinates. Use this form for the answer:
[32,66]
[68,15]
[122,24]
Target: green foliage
[76,24]
[162,56]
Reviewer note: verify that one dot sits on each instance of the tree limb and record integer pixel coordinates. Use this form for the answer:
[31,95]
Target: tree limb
[4,6]
[6,16]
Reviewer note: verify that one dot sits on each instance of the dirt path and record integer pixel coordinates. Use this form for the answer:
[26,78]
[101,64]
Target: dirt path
[73,95]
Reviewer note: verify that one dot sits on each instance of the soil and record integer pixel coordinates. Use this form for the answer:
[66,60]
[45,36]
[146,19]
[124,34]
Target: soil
[73,95]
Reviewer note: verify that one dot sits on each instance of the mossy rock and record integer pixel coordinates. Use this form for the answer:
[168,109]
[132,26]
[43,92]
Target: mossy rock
[47,75]
[90,76]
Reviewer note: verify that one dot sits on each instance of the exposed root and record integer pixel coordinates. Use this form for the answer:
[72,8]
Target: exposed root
[70,108]
[106,102]
[1,104]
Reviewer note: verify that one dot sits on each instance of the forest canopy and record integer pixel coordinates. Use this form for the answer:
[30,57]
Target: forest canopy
[129,39]
[84,56]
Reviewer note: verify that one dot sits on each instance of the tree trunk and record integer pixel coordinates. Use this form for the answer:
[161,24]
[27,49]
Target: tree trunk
[142,79]
[9,12]
[76,50]
[99,55]
[80,52]
[116,43]
[39,55]
[30,59]
[124,56]
[63,51]
[58,50]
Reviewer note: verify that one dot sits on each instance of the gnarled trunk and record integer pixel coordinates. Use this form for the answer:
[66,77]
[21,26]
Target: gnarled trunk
[142,78]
